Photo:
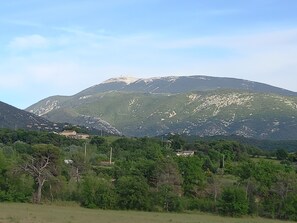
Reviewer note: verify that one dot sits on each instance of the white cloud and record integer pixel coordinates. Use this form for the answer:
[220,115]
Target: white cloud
[29,42]
[246,41]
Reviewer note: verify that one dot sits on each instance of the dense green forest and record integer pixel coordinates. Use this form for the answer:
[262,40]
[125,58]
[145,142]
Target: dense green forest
[223,176]
[264,144]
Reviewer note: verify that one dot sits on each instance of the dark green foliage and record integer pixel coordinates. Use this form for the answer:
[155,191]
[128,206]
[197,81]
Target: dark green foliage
[97,192]
[177,142]
[192,173]
[167,199]
[281,154]
[133,148]
[132,193]
[290,208]
[13,187]
[34,137]
[233,202]
[167,174]
[98,141]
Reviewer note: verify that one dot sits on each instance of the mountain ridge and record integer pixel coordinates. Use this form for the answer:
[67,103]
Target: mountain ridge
[182,84]
[250,109]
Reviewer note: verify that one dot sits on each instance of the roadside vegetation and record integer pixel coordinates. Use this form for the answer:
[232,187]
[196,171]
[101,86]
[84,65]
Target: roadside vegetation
[145,174]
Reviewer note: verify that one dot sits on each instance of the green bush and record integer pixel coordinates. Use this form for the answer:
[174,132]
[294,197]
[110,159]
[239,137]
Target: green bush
[97,192]
[132,193]
[233,202]
[289,210]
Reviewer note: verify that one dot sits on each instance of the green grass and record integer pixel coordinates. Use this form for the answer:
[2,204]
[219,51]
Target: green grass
[29,213]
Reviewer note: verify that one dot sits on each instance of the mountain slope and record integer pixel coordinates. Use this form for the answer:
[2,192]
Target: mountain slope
[14,118]
[220,112]
[11,117]
[172,85]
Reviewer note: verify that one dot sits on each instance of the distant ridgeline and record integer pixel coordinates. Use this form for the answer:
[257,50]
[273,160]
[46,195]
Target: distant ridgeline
[271,145]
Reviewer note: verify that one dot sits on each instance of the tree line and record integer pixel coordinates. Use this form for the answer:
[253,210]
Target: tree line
[223,177]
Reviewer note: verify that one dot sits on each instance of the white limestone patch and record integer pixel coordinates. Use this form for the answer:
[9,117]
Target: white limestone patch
[192,98]
[292,104]
[132,102]
[221,101]
[46,108]
[245,131]
[85,97]
[172,114]
[127,80]
[227,123]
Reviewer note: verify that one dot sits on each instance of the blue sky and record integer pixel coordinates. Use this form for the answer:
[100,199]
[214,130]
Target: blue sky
[54,47]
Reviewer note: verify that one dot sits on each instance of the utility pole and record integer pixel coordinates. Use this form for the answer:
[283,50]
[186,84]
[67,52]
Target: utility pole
[110,155]
[85,152]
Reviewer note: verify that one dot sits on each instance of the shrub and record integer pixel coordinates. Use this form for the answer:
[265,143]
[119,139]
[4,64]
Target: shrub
[233,202]
[97,192]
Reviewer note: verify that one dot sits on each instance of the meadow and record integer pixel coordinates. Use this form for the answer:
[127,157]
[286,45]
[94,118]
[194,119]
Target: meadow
[29,213]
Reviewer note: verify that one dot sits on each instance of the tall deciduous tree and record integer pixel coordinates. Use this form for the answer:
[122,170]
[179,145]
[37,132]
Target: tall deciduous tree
[78,166]
[192,173]
[167,173]
[41,165]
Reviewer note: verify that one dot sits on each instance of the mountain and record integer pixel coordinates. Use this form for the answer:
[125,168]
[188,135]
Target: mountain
[194,105]
[181,84]
[14,118]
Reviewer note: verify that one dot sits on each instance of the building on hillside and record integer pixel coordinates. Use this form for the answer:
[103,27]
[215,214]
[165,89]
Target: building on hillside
[74,135]
[185,153]
[68,133]
[82,136]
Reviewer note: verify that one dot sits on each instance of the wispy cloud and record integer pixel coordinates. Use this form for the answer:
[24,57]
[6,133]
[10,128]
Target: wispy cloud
[81,32]
[29,42]
[247,41]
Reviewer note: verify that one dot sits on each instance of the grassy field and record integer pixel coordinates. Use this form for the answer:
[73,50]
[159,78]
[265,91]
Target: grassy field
[28,213]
